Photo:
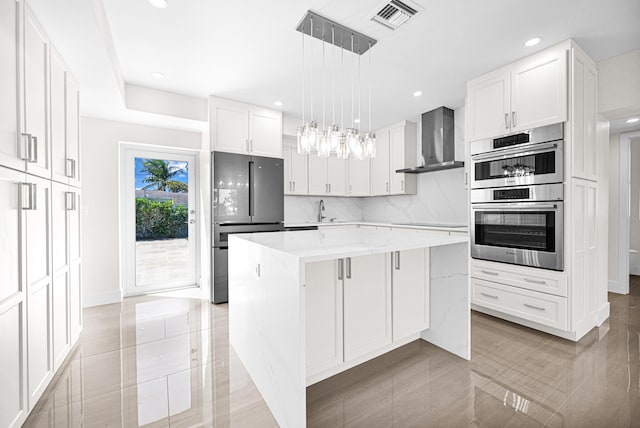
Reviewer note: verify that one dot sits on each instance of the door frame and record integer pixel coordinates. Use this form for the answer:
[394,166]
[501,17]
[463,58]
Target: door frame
[622,285]
[125,252]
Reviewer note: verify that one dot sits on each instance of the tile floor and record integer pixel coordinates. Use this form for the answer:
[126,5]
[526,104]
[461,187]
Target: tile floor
[156,362]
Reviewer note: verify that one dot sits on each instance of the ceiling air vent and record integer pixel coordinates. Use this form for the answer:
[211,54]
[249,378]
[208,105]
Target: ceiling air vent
[394,13]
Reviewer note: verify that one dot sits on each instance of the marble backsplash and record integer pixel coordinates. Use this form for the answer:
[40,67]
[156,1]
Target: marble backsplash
[441,198]
[303,209]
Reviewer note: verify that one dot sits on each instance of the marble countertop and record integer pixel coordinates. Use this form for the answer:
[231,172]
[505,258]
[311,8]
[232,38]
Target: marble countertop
[423,226]
[330,244]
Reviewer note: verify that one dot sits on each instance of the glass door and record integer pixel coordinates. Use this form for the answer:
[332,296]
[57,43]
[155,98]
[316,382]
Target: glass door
[160,221]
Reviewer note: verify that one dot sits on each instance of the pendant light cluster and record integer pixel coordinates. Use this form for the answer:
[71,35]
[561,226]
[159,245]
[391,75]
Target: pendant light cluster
[335,139]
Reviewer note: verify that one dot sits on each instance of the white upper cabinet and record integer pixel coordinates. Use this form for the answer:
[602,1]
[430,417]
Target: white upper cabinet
[246,129]
[296,172]
[584,116]
[380,165]
[58,119]
[73,131]
[327,176]
[539,90]
[488,106]
[395,149]
[359,173]
[265,132]
[11,154]
[403,149]
[526,94]
[36,68]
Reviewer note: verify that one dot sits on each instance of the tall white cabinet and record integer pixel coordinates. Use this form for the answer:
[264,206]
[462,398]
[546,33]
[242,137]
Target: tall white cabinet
[556,85]
[40,256]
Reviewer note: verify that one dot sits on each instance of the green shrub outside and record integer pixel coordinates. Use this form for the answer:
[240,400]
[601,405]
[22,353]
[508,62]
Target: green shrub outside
[160,220]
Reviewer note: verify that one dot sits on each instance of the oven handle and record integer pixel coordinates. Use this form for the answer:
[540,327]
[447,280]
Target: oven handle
[501,154]
[515,207]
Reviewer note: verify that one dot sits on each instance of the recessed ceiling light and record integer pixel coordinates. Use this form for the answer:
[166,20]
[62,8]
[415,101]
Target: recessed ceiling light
[158,75]
[532,42]
[633,120]
[160,4]
[278,103]
[417,93]
[356,120]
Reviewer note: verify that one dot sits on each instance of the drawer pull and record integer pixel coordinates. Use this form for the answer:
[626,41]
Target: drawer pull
[538,308]
[488,272]
[491,296]
[535,281]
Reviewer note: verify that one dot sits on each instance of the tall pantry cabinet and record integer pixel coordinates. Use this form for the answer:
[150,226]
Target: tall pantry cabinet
[40,257]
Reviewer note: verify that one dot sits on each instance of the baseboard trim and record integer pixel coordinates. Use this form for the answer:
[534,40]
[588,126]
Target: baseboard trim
[616,287]
[603,314]
[101,298]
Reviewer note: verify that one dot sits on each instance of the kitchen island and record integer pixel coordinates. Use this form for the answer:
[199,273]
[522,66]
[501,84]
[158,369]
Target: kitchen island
[307,305]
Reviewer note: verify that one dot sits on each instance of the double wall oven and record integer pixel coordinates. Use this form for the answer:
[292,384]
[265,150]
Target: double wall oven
[517,208]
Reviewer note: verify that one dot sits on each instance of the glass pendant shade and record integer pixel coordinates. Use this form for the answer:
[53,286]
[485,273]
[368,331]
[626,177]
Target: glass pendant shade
[370,145]
[303,141]
[352,139]
[334,136]
[313,134]
[324,150]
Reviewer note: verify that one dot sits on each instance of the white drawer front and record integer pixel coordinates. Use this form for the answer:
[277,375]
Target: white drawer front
[522,277]
[530,305]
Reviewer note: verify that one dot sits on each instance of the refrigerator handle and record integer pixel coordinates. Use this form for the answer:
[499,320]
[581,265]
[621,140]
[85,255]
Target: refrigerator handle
[251,190]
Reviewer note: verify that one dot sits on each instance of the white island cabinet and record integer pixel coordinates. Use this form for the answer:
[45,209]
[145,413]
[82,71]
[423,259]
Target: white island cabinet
[307,305]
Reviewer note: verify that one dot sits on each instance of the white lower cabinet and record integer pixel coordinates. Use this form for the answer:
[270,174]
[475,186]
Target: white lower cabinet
[533,306]
[60,293]
[13,300]
[358,307]
[410,295]
[367,305]
[39,286]
[324,316]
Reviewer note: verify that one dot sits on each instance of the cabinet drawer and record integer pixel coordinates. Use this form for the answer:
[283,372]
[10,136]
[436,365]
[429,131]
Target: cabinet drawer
[521,277]
[530,305]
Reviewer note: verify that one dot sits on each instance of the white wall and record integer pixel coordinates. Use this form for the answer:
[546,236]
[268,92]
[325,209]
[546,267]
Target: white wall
[100,205]
[619,86]
[614,203]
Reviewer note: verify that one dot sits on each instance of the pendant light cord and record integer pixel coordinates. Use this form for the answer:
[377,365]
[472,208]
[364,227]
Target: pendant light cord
[323,90]
[359,92]
[333,77]
[370,82]
[311,48]
[352,88]
[303,74]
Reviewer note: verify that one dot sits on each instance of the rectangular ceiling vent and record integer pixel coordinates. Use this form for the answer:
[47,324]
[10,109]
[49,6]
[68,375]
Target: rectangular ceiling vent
[394,13]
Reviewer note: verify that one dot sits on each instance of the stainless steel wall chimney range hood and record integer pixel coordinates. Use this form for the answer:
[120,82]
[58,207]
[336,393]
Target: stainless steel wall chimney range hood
[438,146]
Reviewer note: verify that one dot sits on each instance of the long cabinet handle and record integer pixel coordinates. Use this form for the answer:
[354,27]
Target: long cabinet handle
[513,118]
[535,281]
[506,121]
[537,308]
[387,187]
[491,296]
[25,146]
[71,168]
[340,269]
[397,260]
[26,196]
[70,201]
[294,186]
[488,272]
[348,267]
[33,149]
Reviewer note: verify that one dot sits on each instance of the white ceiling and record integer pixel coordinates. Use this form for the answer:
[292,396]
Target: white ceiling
[249,50]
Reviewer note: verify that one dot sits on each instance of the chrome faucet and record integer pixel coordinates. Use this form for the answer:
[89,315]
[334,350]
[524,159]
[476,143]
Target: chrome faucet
[320,211]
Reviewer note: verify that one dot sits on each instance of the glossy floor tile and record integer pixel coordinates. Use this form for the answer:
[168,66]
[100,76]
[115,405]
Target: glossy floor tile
[157,362]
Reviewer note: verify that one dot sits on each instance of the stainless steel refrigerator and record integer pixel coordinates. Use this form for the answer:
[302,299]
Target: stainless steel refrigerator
[248,197]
